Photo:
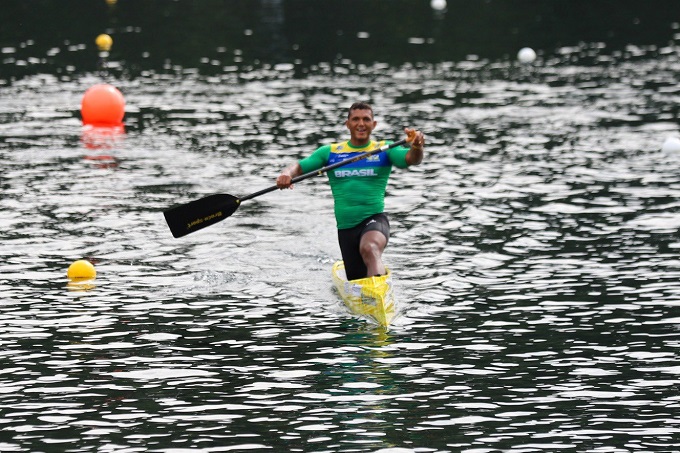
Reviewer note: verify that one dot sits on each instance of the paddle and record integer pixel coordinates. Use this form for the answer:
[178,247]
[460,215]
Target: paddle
[196,215]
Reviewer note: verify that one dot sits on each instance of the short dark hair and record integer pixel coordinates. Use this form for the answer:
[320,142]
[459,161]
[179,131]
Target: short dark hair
[360,106]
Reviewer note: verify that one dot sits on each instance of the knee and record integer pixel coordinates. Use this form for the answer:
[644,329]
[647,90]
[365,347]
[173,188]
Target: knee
[369,249]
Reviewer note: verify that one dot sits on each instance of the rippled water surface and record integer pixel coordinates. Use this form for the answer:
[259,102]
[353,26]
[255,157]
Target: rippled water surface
[535,252]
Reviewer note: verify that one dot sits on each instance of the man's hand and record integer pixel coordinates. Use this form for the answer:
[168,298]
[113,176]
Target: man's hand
[417,139]
[285,179]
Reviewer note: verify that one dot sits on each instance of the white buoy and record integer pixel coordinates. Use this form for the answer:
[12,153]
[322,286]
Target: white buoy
[526,55]
[671,145]
[438,5]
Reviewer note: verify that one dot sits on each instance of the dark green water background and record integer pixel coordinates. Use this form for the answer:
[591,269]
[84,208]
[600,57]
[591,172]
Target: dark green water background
[149,34]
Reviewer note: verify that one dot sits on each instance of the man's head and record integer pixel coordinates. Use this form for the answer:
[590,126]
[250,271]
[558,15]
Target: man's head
[360,123]
[360,106]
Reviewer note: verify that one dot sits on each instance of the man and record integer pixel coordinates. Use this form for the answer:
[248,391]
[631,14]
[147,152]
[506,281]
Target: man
[359,189]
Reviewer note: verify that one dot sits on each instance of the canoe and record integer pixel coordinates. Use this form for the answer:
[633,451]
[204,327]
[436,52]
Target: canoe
[371,298]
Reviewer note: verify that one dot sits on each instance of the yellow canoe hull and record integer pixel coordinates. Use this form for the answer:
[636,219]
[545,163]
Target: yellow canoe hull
[371,297]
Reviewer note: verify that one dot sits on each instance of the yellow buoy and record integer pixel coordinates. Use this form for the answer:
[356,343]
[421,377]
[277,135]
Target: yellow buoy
[104,42]
[81,270]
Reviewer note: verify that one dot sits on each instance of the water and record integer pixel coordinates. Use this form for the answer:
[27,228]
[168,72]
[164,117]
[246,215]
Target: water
[535,252]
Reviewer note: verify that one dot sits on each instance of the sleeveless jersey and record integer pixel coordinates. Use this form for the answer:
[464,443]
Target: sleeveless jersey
[358,188]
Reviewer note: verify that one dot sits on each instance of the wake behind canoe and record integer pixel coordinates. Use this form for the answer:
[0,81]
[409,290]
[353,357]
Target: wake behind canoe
[371,297]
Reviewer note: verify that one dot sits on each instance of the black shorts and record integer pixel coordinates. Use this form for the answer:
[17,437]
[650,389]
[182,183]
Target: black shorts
[350,238]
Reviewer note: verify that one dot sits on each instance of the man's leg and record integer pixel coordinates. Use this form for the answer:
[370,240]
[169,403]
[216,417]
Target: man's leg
[349,240]
[376,234]
[371,247]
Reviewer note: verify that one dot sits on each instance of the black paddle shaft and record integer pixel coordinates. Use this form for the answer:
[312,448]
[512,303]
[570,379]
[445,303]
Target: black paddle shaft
[198,214]
[328,168]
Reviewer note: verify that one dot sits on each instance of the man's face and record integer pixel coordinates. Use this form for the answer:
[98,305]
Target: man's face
[360,124]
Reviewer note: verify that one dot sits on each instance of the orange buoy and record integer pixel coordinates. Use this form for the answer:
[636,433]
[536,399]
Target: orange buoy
[103,105]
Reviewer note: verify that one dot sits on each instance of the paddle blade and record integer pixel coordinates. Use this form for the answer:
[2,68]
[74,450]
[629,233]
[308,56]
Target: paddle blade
[196,215]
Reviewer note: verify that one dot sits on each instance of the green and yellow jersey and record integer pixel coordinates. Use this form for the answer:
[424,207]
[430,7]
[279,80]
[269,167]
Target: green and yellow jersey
[358,188]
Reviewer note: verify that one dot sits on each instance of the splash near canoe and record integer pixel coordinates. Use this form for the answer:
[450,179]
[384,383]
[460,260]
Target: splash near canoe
[371,297]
